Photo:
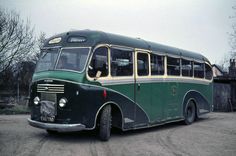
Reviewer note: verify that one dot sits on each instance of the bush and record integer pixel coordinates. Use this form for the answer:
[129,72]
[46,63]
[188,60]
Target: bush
[18,109]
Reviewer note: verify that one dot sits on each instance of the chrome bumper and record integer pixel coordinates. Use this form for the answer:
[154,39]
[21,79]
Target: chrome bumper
[57,127]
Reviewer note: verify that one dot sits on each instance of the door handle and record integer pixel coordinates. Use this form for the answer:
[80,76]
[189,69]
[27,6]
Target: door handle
[138,86]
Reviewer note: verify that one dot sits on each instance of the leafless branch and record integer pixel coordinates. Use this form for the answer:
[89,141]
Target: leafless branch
[16,39]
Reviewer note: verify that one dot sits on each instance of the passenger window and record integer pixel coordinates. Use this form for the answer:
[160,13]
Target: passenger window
[173,66]
[198,70]
[208,72]
[187,68]
[121,63]
[142,61]
[157,64]
[99,62]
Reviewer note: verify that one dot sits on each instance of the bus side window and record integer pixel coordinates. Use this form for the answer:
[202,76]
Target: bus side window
[99,62]
[121,62]
[143,64]
[198,70]
[157,64]
[187,68]
[208,72]
[173,66]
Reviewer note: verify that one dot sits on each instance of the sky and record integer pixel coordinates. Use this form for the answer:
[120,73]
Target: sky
[196,25]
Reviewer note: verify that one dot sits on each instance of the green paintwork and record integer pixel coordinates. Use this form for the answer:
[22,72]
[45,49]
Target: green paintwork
[98,37]
[163,100]
[125,89]
[60,75]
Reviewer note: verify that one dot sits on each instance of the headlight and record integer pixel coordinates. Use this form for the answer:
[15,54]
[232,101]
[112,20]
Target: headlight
[36,100]
[62,102]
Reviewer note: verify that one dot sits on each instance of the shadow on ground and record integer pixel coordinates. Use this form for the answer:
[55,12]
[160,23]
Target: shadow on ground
[88,136]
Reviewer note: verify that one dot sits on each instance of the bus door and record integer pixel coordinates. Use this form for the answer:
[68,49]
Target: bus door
[172,94]
[142,87]
[122,76]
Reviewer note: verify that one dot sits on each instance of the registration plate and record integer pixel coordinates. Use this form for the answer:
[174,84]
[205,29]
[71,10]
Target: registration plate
[48,118]
[48,111]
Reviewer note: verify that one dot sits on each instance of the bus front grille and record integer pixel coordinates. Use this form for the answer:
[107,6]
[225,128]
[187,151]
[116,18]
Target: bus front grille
[50,88]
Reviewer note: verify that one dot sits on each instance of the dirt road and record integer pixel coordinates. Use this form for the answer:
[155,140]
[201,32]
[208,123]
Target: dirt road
[212,135]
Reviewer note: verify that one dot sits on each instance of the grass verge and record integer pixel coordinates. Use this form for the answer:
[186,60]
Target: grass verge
[18,109]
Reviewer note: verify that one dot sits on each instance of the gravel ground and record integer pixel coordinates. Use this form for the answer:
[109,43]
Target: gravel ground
[211,135]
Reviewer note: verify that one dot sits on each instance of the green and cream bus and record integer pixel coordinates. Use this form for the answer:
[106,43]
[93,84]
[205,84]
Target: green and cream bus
[91,79]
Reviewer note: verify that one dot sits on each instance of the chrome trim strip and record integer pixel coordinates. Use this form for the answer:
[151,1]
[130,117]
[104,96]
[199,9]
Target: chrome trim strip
[49,92]
[44,48]
[57,127]
[157,124]
[53,85]
[53,89]
[50,88]
[117,81]
[109,82]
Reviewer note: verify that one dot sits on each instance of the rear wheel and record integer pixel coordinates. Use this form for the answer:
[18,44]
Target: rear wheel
[190,115]
[105,123]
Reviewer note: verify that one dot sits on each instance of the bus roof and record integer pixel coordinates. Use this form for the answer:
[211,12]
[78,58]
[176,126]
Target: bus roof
[92,38]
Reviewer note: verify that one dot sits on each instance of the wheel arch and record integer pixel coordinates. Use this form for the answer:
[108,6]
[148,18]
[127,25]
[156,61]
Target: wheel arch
[116,113]
[201,104]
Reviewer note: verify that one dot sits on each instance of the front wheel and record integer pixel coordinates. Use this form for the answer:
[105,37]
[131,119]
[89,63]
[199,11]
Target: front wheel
[105,123]
[189,113]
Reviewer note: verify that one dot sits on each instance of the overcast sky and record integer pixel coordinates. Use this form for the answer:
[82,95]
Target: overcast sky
[196,25]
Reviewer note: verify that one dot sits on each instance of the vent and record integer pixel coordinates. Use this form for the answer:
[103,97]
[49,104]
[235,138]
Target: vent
[50,88]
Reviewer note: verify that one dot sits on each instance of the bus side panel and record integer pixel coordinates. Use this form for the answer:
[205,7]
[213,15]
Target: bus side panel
[152,97]
[158,101]
[133,114]
[169,99]
[172,98]
[202,96]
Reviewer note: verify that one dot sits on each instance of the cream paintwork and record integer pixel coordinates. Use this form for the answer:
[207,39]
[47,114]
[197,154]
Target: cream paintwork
[110,78]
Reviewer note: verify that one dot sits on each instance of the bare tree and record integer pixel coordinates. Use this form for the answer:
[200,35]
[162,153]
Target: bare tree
[224,62]
[16,39]
[232,35]
[39,44]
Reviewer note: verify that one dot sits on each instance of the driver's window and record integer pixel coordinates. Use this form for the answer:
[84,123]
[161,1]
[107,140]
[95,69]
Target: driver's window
[99,62]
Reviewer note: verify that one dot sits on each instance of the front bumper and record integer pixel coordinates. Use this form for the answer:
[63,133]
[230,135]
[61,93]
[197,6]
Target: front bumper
[57,127]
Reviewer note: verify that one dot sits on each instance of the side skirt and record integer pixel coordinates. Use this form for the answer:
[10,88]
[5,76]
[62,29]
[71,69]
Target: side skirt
[154,125]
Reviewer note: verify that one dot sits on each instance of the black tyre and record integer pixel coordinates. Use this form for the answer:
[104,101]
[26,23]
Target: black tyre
[189,114]
[105,123]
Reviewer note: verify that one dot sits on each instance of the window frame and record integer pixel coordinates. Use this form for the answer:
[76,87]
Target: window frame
[85,65]
[133,61]
[136,63]
[90,59]
[180,65]
[201,62]
[109,77]
[164,64]
[135,75]
[207,63]
[192,66]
